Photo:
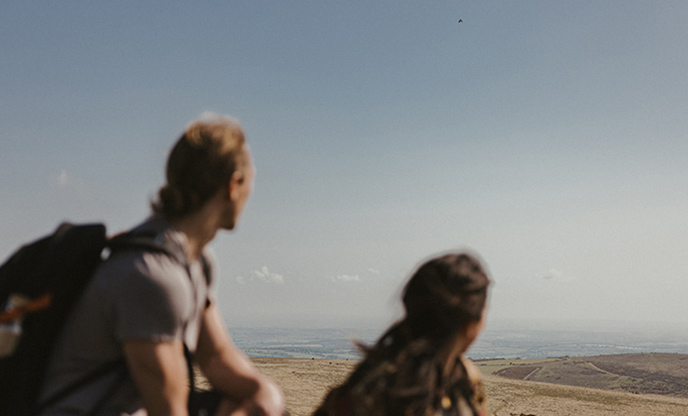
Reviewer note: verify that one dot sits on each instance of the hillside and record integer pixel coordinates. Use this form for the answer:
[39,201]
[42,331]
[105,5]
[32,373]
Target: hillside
[655,373]
[305,382]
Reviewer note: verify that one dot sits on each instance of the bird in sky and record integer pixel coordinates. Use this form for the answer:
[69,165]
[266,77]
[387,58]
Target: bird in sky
[460,20]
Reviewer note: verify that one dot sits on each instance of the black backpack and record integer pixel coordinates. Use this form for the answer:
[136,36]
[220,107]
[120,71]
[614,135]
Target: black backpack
[52,273]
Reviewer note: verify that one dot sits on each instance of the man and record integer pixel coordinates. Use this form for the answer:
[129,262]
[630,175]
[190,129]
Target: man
[146,307]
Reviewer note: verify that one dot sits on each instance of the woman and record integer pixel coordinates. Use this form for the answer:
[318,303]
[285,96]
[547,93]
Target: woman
[416,368]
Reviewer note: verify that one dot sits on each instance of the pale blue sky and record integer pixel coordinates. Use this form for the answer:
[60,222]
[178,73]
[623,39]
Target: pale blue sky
[549,137]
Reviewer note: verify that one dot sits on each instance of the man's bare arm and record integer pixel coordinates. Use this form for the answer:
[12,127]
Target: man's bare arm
[160,374]
[231,372]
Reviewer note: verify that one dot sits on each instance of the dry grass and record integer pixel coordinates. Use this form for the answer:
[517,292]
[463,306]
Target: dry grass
[509,397]
[652,373]
[306,381]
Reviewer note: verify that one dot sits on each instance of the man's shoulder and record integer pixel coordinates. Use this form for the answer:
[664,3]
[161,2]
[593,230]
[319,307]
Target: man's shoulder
[140,272]
[130,253]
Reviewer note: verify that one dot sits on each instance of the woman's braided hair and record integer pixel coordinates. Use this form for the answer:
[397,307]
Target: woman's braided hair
[400,373]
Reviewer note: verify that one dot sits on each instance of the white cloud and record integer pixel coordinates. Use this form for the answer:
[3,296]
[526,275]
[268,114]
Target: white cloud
[345,278]
[241,280]
[373,271]
[61,179]
[64,179]
[266,275]
[555,275]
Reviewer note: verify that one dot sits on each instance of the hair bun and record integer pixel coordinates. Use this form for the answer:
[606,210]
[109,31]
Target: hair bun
[171,199]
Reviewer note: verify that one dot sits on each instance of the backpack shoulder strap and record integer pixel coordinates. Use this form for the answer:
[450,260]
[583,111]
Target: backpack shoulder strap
[153,243]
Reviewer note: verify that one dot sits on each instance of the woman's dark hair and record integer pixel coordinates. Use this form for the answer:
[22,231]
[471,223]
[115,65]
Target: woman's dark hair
[402,374]
[445,294]
[200,163]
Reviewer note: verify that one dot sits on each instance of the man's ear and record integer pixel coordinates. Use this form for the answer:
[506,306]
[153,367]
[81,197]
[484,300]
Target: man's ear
[235,181]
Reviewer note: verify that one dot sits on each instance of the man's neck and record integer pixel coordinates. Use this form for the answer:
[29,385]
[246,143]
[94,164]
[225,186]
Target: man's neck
[199,229]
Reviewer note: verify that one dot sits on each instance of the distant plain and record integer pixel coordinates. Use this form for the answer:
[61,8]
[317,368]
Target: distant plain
[541,370]
[510,340]
[306,381]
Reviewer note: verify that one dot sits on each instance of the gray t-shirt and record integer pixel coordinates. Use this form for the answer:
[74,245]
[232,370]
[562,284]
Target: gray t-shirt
[133,296]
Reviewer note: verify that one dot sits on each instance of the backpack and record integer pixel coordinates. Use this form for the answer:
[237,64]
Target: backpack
[50,274]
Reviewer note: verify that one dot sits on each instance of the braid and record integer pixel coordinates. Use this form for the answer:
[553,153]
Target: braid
[403,373]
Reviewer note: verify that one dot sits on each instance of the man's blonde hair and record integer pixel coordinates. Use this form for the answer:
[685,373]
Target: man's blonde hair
[201,162]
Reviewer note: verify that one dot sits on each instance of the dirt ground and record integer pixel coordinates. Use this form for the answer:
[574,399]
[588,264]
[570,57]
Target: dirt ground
[306,381]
